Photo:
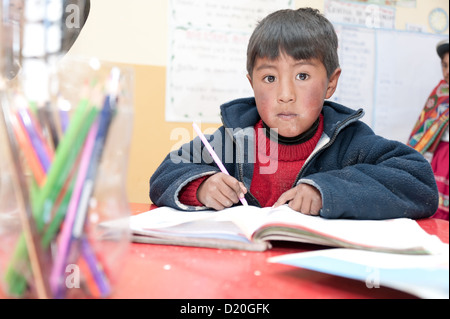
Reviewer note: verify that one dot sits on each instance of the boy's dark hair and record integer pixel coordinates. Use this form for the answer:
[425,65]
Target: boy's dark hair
[303,34]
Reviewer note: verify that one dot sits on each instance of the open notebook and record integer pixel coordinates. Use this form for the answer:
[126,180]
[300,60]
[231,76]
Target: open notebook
[253,228]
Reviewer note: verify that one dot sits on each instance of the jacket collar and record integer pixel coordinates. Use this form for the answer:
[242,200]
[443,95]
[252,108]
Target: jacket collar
[239,113]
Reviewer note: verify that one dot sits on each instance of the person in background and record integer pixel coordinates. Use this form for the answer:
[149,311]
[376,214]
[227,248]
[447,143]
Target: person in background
[430,134]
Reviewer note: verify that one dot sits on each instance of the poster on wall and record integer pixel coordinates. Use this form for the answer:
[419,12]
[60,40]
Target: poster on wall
[364,14]
[398,3]
[356,57]
[207,54]
[381,71]
[382,75]
[403,82]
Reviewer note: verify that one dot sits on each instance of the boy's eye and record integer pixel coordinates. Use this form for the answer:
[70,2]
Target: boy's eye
[269,79]
[302,76]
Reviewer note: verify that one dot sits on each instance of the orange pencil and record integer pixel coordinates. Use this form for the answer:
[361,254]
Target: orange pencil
[28,150]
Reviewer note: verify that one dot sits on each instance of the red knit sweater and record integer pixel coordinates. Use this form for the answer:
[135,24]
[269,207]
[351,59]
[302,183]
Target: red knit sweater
[273,173]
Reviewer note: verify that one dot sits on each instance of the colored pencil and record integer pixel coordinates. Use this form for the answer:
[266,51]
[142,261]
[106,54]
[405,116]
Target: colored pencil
[214,156]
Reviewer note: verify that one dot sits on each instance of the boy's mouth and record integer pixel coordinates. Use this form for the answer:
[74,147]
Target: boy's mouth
[286,116]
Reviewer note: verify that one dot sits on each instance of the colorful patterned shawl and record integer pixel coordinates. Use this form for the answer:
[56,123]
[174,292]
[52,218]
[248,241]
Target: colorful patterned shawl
[432,122]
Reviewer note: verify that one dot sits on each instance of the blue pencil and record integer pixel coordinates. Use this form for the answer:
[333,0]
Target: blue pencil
[107,112]
[88,186]
[95,267]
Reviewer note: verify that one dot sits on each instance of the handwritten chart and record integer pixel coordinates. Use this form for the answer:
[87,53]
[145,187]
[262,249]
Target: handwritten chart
[387,73]
[207,54]
[356,57]
[405,77]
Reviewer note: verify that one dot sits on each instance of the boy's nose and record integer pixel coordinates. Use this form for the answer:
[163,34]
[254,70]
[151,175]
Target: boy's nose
[286,93]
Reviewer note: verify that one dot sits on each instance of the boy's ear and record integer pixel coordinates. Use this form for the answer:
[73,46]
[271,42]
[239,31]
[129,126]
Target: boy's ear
[250,80]
[332,83]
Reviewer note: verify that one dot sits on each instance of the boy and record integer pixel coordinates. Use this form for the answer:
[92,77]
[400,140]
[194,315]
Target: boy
[289,146]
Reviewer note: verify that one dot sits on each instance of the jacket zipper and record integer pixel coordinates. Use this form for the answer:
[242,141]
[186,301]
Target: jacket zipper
[240,168]
[331,141]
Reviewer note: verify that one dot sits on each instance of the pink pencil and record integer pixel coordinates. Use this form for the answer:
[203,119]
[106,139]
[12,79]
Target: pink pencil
[66,232]
[214,156]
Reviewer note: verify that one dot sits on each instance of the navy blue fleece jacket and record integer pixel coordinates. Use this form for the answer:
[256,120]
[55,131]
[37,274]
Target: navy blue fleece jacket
[359,174]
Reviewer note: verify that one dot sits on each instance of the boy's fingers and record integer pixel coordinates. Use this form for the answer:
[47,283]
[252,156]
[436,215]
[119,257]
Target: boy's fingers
[307,200]
[299,205]
[285,197]
[225,200]
[221,191]
[214,204]
[243,188]
[316,206]
[237,187]
[217,201]
[229,196]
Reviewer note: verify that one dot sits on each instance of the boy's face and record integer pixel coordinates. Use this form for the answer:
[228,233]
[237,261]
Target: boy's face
[290,93]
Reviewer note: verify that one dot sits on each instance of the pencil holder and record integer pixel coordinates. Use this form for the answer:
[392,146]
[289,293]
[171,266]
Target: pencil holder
[62,174]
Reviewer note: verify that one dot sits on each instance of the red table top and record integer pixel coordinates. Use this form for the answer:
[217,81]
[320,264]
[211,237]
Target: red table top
[158,271]
[175,272]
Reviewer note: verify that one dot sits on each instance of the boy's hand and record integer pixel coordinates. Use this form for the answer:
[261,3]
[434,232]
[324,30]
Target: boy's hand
[220,191]
[303,198]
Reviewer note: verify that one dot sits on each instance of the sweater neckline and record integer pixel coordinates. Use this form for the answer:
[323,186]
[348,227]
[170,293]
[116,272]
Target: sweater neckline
[299,139]
[287,152]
